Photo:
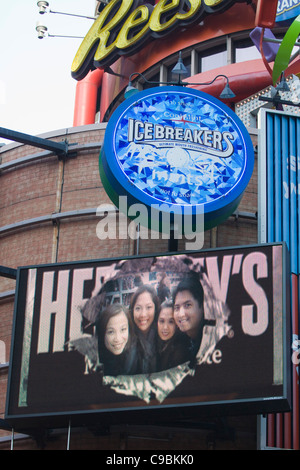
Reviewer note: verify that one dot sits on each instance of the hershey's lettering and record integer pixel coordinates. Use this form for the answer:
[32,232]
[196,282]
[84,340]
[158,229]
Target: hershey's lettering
[254,316]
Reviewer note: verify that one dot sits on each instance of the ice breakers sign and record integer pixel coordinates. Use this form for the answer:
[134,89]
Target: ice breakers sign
[177,151]
[161,135]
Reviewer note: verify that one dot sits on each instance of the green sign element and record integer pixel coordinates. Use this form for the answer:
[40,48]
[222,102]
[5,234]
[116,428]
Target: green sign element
[284,53]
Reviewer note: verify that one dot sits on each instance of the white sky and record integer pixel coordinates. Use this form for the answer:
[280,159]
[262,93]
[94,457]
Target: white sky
[37,92]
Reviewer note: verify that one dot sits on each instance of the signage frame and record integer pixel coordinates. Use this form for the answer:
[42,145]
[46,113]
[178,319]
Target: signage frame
[214,211]
[155,413]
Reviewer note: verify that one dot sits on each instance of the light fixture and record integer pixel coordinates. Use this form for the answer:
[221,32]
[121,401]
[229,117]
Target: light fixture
[42,6]
[41,30]
[42,33]
[130,90]
[227,93]
[282,85]
[276,99]
[179,70]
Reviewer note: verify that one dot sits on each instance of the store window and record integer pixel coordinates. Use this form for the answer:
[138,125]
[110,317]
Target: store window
[245,50]
[198,60]
[213,58]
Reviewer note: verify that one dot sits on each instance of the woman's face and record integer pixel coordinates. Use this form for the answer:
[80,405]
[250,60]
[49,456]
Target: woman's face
[116,334]
[166,326]
[144,311]
[187,313]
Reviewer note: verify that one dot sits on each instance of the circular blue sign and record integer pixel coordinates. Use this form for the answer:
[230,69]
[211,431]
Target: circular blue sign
[178,149]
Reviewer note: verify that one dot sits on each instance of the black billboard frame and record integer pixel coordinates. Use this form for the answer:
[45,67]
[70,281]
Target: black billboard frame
[160,414]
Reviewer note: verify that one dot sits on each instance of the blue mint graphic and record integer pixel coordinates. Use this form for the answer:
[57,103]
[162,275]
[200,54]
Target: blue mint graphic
[177,149]
[179,171]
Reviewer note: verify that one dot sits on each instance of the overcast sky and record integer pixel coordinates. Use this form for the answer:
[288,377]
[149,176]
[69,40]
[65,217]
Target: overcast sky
[37,91]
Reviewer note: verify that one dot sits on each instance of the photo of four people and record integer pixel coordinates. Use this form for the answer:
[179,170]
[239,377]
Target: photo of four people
[170,319]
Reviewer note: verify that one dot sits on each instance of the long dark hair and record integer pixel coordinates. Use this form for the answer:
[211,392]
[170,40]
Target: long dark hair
[146,346]
[140,290]
[103,318]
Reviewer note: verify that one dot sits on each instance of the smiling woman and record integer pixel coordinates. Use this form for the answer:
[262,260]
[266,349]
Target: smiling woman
[144,310]
[116,335]
[116,343]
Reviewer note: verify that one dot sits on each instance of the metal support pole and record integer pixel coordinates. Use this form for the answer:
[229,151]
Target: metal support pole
[12,440]
[8,272]
[69,435]
[60,148]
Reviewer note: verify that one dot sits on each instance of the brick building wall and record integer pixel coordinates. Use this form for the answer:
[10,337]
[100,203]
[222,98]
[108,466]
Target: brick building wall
[48,214]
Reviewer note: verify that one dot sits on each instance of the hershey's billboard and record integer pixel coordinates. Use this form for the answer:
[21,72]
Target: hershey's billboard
[147,334]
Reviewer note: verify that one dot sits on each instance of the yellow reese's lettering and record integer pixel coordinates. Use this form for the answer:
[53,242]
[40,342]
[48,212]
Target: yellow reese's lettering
[115,32]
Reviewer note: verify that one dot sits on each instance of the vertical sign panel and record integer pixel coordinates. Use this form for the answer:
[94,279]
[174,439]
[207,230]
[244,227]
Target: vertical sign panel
[280,221]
